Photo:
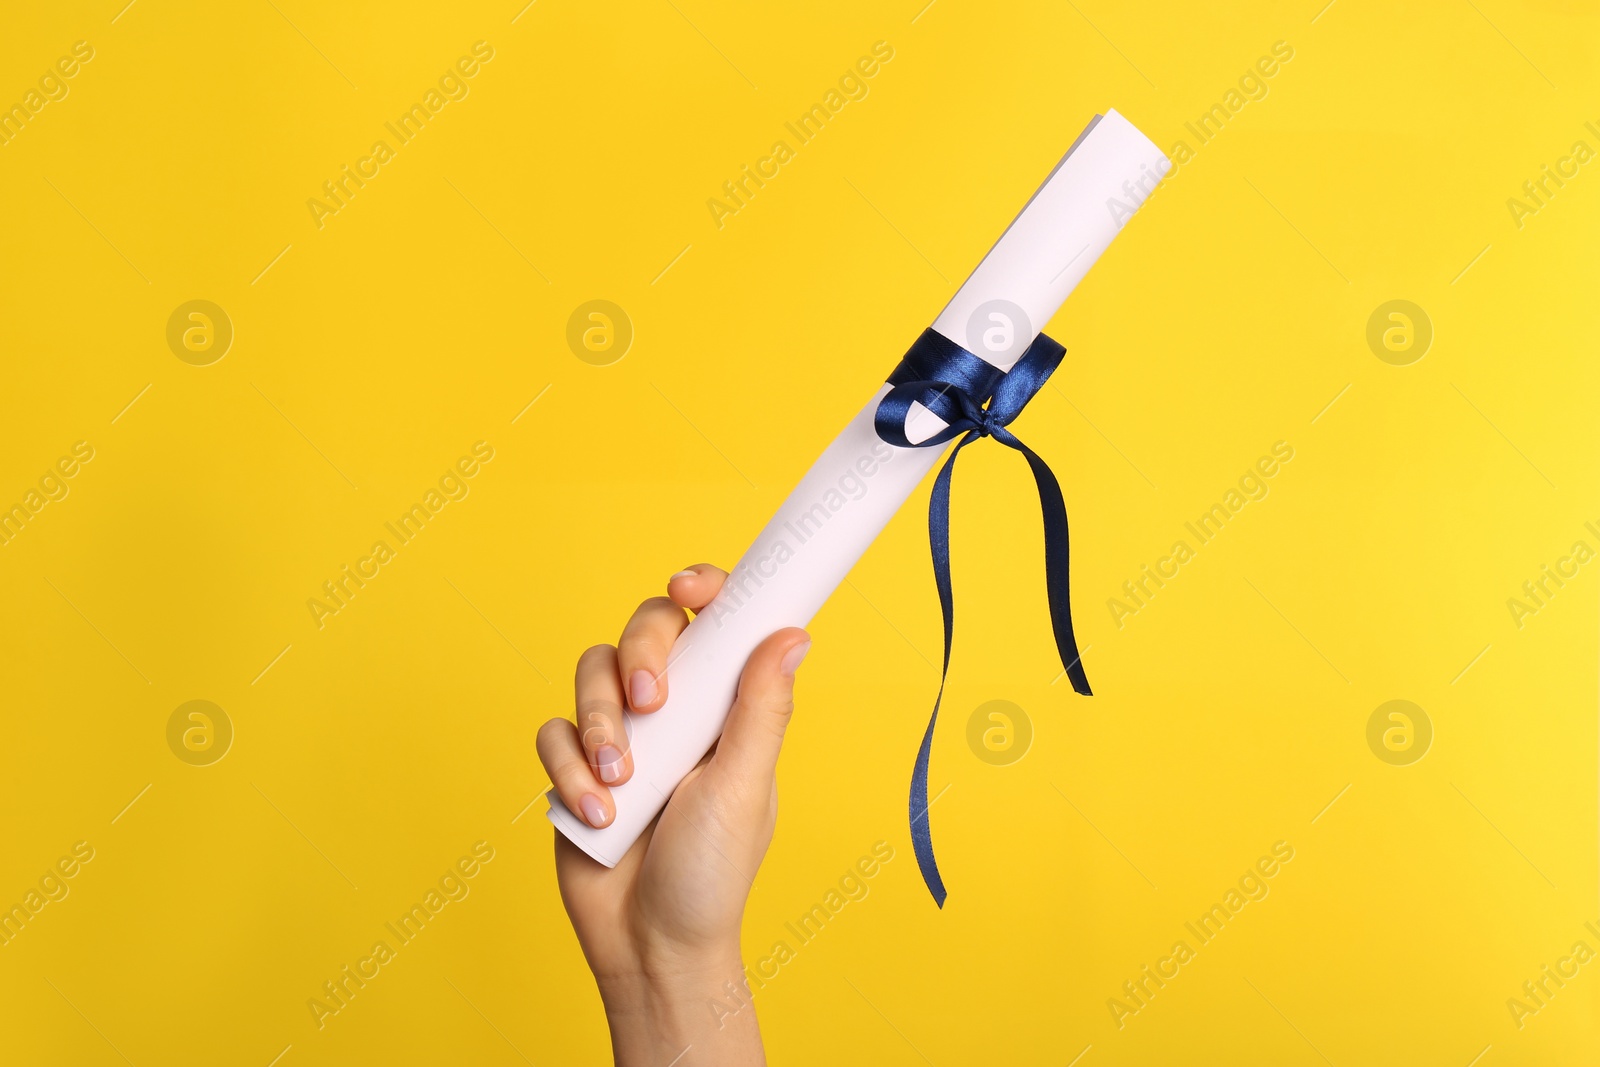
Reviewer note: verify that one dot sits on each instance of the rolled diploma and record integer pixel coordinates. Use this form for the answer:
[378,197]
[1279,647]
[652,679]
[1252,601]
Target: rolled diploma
[826,524]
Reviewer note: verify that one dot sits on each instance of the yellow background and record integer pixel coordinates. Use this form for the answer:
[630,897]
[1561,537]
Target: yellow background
[431,310]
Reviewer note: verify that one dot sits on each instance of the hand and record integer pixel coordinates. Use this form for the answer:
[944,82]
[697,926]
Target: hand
[661,929]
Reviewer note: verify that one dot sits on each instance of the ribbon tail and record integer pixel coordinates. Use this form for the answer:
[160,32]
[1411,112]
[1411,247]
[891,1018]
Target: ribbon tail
[1054,509]
[939,545]
[921,835]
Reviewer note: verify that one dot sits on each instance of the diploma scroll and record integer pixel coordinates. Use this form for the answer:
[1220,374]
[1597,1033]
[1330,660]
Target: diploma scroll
[860,481]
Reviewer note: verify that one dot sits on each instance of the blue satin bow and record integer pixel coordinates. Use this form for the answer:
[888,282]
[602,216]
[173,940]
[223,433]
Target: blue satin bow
[953,383]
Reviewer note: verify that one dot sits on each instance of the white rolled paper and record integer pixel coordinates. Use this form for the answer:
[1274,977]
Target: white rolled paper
[851,493]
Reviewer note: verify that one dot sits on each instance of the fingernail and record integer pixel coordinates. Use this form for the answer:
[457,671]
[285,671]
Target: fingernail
[792,658]
[684,574]
[608,758]
[594,812]
[641,688]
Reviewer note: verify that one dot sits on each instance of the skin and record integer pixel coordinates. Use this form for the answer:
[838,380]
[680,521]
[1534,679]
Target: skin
[661,930]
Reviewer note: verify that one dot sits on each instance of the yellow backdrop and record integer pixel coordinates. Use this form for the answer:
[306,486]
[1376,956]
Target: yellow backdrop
[241,341]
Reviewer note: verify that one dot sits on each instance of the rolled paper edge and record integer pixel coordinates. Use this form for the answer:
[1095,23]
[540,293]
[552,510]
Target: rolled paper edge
[1053,241]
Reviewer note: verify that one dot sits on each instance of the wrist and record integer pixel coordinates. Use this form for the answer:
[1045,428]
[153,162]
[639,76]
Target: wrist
[659,1010]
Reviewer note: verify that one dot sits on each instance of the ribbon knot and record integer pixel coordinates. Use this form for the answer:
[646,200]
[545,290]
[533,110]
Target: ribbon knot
[992,425]
[975,400]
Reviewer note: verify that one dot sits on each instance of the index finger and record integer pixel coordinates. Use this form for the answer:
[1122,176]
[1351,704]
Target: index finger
[697,586]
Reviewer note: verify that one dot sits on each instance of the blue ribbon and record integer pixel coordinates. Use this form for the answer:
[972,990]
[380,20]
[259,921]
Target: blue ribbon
[955,384]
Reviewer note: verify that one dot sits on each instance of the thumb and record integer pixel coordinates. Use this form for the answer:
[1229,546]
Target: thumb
[753,735]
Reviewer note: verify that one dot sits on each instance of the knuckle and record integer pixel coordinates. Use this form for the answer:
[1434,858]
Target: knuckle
[642,649]
[564,765]
[645,627]
[772,710]
[595,655]
[550,733]
[596,724]
[596,711]
[649,612]
[778,715]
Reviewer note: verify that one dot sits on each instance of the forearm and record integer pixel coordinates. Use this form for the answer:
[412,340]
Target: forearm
[695,1018]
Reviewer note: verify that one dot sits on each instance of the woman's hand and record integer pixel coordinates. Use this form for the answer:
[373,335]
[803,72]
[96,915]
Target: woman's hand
[661,929]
